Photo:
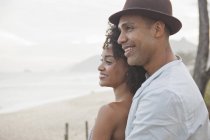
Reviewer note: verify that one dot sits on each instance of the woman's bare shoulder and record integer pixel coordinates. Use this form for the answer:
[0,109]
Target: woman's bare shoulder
[107,120]
[108,110]
[112,110]
[105,123]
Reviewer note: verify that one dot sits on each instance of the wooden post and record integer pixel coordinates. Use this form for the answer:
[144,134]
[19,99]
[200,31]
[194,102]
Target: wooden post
[66,136]
[86,129]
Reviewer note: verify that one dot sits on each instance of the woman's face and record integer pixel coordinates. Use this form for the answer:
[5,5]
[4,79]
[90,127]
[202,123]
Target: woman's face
[112,71]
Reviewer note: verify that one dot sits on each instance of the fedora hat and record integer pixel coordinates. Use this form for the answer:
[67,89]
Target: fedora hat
[154,9]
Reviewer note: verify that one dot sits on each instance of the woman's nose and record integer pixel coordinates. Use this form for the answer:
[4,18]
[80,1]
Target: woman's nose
[101,67]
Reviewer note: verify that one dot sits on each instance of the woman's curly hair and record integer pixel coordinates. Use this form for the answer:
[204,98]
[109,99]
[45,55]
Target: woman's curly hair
[136,74]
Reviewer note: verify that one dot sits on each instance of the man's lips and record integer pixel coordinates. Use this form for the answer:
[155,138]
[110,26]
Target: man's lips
[127,50]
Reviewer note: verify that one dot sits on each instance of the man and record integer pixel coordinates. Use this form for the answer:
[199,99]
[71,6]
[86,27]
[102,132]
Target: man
[169,105]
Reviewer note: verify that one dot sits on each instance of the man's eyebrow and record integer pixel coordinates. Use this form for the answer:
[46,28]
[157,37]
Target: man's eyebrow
[124,24]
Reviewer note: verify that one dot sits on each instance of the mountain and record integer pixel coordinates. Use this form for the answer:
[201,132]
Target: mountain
[182,47]
[87,66]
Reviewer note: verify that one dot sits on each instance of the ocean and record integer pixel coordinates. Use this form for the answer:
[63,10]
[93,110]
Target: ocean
[24,90]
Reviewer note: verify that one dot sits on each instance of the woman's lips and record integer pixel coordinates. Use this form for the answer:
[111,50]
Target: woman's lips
[101,76]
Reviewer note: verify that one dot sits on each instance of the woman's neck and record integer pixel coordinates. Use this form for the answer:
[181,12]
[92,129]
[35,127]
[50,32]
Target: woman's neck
[122,93]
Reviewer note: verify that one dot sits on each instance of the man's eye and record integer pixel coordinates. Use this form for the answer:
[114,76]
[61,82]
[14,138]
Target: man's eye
[129,28]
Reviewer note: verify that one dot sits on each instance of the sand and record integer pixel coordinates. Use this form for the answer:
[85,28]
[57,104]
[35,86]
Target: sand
[47,122]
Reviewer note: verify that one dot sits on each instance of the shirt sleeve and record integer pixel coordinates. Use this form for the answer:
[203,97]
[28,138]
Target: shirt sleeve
[159,116]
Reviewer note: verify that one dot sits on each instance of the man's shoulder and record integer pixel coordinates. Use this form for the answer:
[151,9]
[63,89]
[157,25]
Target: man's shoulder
[173,78]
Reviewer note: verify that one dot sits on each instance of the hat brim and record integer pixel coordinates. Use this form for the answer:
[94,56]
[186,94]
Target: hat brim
[171,22]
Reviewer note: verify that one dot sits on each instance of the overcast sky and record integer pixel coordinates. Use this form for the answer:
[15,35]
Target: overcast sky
[43,35]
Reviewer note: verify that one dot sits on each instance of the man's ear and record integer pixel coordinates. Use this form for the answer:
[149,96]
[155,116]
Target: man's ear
[159,28]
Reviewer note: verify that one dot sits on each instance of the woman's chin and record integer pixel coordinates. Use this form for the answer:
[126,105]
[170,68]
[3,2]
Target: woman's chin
[103,84]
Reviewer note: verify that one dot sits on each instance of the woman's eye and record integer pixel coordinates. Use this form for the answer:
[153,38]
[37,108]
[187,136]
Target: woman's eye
[106,61]
[109,62]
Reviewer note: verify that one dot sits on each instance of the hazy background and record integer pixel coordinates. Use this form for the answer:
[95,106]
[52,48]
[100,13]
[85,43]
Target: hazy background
[51,35]
[49,49]
[49,53]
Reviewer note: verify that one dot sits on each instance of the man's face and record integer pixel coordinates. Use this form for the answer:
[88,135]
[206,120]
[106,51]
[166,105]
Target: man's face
[136,39]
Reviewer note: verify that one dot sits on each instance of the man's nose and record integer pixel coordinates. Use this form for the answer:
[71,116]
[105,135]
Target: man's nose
[122,38]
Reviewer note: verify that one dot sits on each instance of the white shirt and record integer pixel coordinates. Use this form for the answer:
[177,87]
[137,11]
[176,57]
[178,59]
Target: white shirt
[168,106]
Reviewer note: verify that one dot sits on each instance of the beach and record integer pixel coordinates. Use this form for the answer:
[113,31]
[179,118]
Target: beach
[47,122]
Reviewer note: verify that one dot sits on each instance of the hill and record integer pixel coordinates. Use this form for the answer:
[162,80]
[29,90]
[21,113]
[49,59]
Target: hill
[89,65]
[183,48]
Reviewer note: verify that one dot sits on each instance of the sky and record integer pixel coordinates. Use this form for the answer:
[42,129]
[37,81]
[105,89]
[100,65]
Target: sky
[50,35]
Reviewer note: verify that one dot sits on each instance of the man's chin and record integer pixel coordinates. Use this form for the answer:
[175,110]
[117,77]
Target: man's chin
[131,62]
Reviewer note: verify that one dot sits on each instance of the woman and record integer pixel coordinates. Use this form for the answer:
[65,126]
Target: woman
[125,80]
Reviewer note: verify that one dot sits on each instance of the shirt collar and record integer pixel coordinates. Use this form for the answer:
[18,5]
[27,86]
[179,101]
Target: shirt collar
[150,78]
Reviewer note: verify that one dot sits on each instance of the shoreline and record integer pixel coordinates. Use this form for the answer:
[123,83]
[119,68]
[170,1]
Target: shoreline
[47,122]
[26,106]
